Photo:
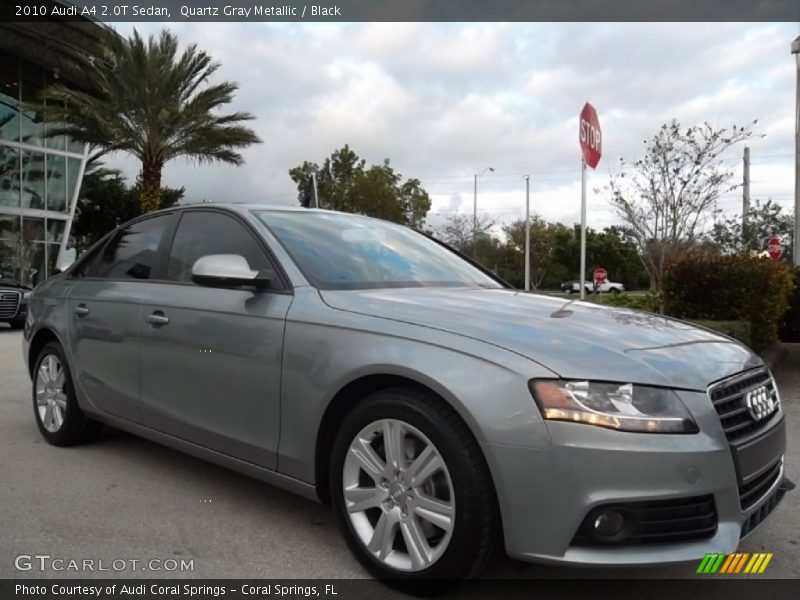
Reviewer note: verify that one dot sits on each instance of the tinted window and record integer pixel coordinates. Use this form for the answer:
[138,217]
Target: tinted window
[337,251]
[203,233]
[131,254]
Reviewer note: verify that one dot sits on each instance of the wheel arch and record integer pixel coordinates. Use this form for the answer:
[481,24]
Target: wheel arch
[352,393]
[38,341]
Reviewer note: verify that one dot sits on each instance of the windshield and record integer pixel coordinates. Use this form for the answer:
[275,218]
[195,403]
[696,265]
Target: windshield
[348,252]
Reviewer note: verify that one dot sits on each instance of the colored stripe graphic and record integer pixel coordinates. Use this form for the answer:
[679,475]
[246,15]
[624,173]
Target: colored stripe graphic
[726,565]
[741,562]
[717,562]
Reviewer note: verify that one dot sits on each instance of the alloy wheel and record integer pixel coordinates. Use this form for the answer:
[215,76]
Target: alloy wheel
[51,399]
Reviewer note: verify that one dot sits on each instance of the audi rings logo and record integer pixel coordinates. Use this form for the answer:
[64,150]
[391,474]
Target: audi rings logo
[760,403]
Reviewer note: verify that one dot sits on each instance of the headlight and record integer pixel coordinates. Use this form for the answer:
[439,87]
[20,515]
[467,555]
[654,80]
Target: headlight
[625,407]
[26,295]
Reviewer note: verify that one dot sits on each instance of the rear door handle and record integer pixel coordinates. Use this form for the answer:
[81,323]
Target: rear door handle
[158,318]
[81,310]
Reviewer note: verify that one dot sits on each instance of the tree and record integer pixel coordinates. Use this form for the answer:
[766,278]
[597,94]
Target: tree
[144,98]
[345,183]
[667,196]
[763,221]
[457,231]
[105,201]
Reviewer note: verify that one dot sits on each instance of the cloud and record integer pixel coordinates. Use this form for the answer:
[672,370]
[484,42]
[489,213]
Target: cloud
[445,100]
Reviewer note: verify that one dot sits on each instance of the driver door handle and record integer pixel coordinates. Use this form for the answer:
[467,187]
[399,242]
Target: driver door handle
[158,318]
[81,310]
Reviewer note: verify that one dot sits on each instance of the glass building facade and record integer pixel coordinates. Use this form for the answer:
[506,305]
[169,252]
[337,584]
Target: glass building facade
[39,176]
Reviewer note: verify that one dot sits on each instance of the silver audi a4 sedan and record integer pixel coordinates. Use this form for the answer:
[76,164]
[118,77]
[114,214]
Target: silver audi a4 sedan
[359,363]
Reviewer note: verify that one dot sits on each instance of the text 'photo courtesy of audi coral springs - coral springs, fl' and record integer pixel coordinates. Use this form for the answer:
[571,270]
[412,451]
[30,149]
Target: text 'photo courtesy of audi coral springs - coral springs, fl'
[365,365]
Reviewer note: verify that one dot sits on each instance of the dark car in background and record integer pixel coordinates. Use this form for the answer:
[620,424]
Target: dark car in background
[14,302]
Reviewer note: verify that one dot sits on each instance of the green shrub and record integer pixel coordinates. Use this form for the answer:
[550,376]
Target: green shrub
[739,330]
[648,301]
[730,288]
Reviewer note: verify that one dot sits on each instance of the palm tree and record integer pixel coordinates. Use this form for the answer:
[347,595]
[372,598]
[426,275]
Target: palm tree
[146,99]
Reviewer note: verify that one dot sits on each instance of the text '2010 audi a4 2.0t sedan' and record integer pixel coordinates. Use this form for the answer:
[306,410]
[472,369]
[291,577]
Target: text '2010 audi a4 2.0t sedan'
[363,364]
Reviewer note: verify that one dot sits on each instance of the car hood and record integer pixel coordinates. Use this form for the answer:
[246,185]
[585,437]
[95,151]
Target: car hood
[576,340]
[14,285]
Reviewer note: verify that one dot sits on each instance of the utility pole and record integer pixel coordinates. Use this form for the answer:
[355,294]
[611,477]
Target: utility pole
[527,233]
[582,277]
[745,188]
[796,237]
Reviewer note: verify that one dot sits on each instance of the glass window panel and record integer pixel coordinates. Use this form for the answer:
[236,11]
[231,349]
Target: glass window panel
[76,147]
[9,176]
[73,167]
[9,226]
[33,229]
[56,182]
[55,230]
[9,97]
[32,126]
[52,257]
[32,264]
[132,252]
[32,179]
[194,240]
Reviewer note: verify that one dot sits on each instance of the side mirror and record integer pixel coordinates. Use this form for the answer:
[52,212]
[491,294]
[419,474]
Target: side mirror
[228,270]
[66,256]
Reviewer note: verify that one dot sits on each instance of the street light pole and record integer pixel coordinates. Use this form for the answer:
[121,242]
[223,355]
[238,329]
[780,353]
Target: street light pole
[475,207]
[796,237]
[527,233]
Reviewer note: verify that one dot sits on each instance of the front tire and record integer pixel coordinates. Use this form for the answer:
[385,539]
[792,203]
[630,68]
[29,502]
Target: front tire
[61,421]
[411,490]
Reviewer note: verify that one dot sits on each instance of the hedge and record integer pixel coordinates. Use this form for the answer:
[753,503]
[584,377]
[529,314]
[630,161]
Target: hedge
[739,330]
[730,288]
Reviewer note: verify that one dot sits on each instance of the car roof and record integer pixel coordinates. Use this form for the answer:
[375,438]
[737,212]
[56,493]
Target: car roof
[243,207]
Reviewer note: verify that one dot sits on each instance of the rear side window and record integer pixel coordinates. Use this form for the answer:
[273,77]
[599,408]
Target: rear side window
[132,252]
[203,233]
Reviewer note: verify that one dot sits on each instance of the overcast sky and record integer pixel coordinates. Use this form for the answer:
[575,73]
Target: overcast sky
[445,100]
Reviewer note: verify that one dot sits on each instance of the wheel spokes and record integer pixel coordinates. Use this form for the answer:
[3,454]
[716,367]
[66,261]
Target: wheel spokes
[435,511]
[382,542]
[426,464]
[360,499]
[368,459]
[417,545]
[394,437]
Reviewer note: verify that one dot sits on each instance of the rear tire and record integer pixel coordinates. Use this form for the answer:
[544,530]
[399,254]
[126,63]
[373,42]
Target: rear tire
[55,407]
[426,510]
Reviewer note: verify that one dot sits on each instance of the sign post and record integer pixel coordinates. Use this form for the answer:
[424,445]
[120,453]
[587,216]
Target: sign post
[591,148]
[775,248]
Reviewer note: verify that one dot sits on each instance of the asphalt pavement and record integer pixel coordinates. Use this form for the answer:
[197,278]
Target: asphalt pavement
[123,498]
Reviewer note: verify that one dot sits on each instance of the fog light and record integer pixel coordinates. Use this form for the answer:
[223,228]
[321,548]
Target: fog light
[609,523]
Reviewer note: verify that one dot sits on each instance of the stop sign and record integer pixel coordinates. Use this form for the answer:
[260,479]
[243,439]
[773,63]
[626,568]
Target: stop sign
[590,137]
[775,248]
[600,274]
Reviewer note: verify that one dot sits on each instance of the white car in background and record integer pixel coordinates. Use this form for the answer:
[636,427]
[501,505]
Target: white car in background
[573,287]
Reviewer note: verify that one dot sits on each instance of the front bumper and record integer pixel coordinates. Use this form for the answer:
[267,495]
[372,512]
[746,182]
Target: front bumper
[545,495]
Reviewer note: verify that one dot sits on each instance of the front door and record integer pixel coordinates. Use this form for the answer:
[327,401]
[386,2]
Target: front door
[211,357]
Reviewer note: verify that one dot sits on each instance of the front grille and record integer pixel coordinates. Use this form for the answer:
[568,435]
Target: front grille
[730,401]
[752,492]
[9,303]
[754,520]
[657,521]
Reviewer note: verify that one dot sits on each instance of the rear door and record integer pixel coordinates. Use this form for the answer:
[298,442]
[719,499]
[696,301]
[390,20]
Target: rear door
[104,307]
[211,357]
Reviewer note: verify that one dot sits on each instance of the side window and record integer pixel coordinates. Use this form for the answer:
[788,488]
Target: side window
[131,254]
[202,233]
[85,263]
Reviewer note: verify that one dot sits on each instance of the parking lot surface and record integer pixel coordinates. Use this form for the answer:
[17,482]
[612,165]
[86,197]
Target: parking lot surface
[123,498]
